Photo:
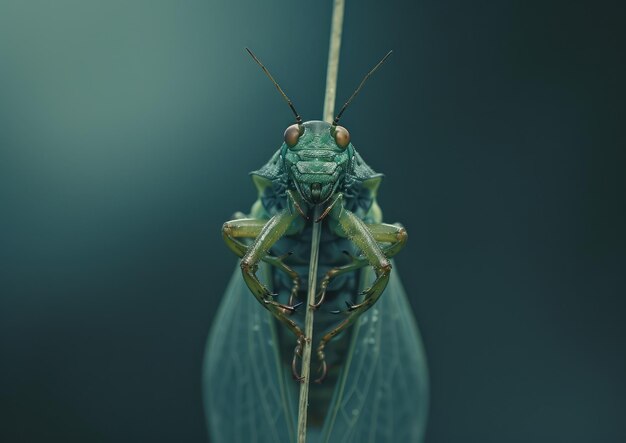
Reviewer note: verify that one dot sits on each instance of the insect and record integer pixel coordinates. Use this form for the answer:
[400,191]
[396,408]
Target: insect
[372,377]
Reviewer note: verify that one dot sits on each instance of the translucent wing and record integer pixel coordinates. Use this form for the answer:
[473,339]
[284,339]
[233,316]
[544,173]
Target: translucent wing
[382,393]
[245,393]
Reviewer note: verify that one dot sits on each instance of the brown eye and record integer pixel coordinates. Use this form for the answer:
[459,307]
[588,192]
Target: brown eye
[292,134]
[342,137]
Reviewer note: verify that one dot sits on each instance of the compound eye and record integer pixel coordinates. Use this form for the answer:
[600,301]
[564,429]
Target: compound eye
[342,137]
[292,134]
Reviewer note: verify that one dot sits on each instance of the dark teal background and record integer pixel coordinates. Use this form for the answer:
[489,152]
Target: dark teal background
[127,129]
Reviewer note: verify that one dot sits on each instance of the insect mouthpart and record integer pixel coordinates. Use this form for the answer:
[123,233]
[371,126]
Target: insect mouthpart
[317,188]
[316,192]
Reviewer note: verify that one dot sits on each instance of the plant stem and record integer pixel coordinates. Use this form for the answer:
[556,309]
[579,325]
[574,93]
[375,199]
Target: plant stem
[333,60]
[329,109]
[308,329]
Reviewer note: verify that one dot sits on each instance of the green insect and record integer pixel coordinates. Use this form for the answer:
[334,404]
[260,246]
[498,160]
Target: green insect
[374,375]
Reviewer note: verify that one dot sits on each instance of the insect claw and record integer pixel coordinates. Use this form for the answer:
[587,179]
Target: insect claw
[285,309]
[324,370]
[297,352]
[296,306]
[320,299]
[350,306]
[335,311]
[294,371]
[284,256]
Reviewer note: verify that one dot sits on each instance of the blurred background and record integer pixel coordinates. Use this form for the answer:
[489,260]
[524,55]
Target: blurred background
[128,128]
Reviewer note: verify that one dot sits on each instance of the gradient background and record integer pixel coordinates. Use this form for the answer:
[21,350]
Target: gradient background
[127,129]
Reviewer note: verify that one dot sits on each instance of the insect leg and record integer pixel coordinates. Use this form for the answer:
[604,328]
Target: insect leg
[394,234]
[363,237]
[356,264]
[269,233]
[251,228]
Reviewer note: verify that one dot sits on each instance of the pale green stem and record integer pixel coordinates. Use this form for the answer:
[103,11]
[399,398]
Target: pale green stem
[333,60]
[308,329]
[328,113]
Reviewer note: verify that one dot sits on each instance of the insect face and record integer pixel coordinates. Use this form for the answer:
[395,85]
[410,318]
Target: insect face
[316,158]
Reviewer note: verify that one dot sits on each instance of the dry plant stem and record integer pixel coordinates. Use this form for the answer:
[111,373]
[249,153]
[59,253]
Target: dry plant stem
[333,60]
[329,109]
[308,330]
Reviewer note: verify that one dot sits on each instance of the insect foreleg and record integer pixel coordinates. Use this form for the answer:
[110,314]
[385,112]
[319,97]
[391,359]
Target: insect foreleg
[394,234]
[273,230]
[356,230]
[251,228]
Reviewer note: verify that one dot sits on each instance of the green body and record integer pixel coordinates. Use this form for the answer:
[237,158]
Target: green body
[273,241]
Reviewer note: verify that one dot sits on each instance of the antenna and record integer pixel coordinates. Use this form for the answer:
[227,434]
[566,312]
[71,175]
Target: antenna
[336,120]
[298,118]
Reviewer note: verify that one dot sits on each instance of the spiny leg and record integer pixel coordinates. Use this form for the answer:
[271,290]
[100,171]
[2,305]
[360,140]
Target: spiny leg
[394,234]
[251,228]
[270,232]
[335,207]
[357,263]
[366,238]
[265,234]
